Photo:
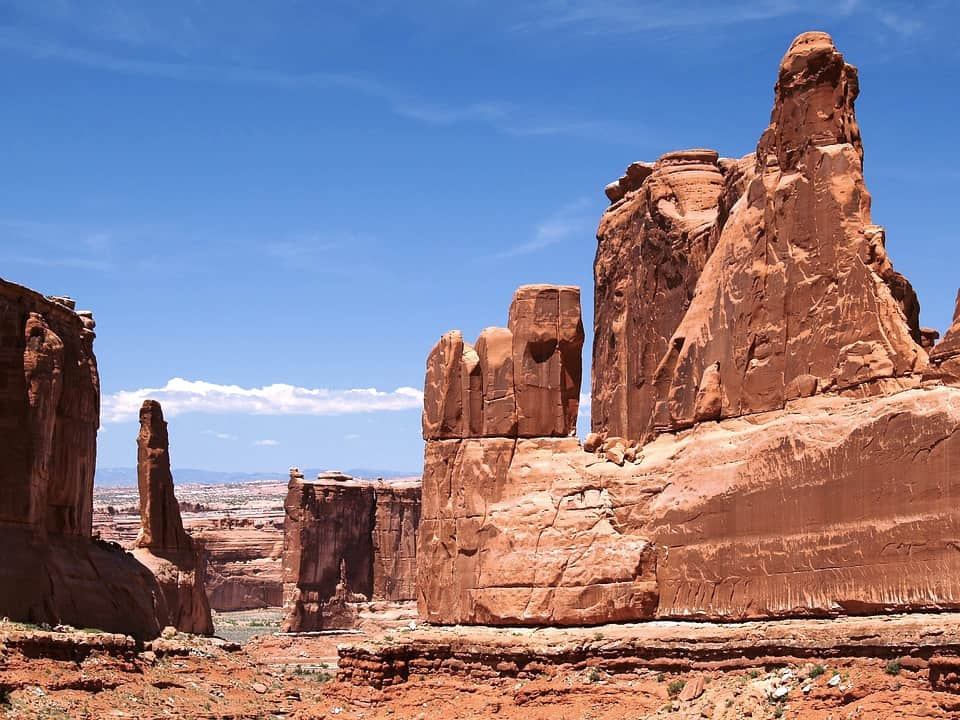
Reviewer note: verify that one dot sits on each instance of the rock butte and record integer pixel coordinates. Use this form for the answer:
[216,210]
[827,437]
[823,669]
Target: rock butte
[162,544]
[346,541]
[53,571]
[770,438]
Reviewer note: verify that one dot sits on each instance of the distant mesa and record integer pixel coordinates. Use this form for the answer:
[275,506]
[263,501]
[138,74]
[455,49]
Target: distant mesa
[347,541]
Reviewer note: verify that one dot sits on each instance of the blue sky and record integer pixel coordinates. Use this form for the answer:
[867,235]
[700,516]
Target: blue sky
[307,194]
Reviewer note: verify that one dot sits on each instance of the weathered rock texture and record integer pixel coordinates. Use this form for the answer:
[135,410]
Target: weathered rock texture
[770,439]
[519,381]
[244,567]
[243,544]
[49,414]
[163,545]
[346,541]
[765,277]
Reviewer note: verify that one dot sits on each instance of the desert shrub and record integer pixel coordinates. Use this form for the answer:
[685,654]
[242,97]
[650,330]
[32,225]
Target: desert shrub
[674,688]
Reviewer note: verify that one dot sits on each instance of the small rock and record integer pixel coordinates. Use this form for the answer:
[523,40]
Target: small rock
[593,441]
[615,454]
[149,656]
[259,688]
[169,632]
[693,689]
[412,625]
[613,191]
[834,681]
[807,688]
[780,692]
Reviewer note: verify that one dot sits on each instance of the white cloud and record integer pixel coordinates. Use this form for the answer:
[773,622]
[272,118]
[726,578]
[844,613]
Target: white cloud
[351,436]
[181,396]
[266,443]
[220,435]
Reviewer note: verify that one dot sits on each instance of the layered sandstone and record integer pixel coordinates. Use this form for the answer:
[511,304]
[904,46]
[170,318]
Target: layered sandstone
[769,438]
[346,541]
[53,571]
[162,545]
[518,381]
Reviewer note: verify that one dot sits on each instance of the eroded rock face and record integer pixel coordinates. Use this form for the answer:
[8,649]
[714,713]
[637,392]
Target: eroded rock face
[162,544]
[53,571]
[768,439]
[346,541]
[519,381]
[652,247]
[764,277]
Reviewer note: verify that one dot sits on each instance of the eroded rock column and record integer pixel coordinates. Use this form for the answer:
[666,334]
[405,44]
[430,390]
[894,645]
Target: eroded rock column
[163,545]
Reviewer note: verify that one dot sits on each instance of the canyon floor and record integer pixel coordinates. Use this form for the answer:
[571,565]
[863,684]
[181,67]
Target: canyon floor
[890,667]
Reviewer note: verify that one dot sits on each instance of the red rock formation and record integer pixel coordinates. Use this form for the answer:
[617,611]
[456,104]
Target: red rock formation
[520,381]
[49,413]
[752,334]
[652,247]
[395,527]
[162,544]
[244,566]
[944,355]
[346,541]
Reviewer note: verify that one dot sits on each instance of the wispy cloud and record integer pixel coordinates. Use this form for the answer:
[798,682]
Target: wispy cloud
[900,23]
[220,435]
[55,245]
[503,117]
[182,396]
[307,249]
[585,405]
[266,443]
[569,221]
[622,16]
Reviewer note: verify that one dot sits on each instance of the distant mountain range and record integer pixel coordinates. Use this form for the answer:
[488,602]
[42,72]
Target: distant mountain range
[127,477]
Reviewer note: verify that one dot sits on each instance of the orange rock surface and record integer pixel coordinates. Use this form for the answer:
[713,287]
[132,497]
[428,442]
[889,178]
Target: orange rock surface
[770,438]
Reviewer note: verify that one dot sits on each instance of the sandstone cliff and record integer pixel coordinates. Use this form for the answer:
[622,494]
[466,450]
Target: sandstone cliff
[53,571]
[770,438]
[163,545]
[346,541]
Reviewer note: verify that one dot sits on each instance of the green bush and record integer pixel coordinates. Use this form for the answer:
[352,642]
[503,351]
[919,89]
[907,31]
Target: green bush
[893,666]
[674,688]
[817,671]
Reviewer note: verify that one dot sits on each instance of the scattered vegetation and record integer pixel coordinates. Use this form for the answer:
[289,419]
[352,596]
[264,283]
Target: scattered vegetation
[4,697]
[754,674]
[778,711]
[661,677]
[817,671]
[893,666]
[594,675]
[598,636]
[675,687]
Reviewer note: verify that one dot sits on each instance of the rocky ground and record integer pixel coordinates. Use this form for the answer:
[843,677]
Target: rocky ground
[68,673]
